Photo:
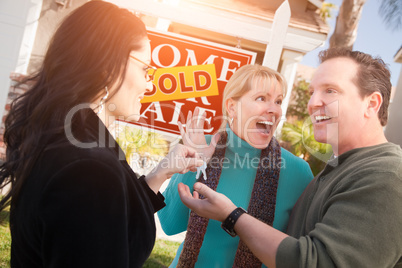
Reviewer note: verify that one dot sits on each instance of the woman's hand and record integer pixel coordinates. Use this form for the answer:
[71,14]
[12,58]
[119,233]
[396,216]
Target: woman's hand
[194,136]
[214,206]
[179,160]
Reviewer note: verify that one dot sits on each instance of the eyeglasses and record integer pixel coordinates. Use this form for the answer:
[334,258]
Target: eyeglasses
[150,71]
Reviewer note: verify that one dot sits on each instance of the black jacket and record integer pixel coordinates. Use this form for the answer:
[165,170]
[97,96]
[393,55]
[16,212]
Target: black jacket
[83,207]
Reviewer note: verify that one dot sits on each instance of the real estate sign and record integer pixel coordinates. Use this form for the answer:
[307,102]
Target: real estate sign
[191,73]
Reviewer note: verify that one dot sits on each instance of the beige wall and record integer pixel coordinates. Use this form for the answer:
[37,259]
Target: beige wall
[393,131]
[51,16]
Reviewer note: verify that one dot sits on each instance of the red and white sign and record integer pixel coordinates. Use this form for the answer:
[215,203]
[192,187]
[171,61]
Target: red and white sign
[172,50]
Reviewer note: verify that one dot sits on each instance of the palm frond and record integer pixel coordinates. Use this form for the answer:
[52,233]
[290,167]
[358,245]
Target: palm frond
[391,13]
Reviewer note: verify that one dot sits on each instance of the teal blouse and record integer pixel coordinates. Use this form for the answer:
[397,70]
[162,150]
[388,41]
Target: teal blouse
[236,182]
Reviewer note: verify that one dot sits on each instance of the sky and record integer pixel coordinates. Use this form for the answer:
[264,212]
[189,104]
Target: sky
[373,37]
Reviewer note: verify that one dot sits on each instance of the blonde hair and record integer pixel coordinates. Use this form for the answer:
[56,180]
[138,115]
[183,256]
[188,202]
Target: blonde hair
[243,80]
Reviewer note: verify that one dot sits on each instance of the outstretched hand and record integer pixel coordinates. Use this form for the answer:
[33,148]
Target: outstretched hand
[193,136]
[180,160]
[214,206]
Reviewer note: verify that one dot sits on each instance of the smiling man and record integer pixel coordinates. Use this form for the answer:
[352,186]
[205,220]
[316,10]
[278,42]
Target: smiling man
[350,214]
[349,100]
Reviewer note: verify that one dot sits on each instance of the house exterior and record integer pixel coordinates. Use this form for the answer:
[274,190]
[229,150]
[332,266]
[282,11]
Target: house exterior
[393,129]
[27,25]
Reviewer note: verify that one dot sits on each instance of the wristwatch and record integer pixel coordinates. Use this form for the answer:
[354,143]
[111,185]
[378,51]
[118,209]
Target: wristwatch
[229,223]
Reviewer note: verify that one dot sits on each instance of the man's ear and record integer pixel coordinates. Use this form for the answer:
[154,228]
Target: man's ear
[231,105]
[374,102]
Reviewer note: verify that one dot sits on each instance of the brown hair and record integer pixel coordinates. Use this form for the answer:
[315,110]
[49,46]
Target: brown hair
[373,75]
[88,52]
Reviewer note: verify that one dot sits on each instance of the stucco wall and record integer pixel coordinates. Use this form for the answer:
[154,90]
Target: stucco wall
[393,131]
[51,16]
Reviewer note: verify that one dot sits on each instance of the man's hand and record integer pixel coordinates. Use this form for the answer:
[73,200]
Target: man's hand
[261,239]
[215,205]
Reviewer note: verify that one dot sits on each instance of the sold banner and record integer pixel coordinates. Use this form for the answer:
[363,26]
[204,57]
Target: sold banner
[191,73]
[183,82]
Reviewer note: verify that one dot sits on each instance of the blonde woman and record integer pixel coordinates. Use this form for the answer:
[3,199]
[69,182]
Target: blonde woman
[247,165]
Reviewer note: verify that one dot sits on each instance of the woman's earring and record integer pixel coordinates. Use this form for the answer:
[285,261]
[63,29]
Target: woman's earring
[102,101]
[231,121]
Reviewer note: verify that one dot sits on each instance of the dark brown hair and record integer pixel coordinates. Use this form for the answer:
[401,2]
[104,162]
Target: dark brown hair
[373,75]
[88,52]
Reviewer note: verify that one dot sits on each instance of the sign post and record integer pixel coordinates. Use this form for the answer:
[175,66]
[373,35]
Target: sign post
[277,40]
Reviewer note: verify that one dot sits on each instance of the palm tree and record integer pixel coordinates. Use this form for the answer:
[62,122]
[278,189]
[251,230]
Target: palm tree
[349,16]
[391,13]
[347,22]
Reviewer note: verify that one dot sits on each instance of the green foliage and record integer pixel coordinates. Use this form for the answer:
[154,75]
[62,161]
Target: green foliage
[163,254]
[133,140]
[299,140]
[300,98]
[297,134]
[293,133]
[5,239]
[326,10]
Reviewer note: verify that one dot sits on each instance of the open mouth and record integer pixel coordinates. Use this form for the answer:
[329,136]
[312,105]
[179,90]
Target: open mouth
[322,118]
[265,126]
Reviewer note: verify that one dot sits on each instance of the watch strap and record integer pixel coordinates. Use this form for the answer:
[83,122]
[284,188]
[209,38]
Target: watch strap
[229,223]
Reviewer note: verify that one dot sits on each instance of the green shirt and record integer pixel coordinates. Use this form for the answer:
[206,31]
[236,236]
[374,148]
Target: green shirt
[350,215]
[236,182]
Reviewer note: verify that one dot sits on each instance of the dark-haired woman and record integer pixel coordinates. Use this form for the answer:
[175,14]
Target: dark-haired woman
[75,202]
